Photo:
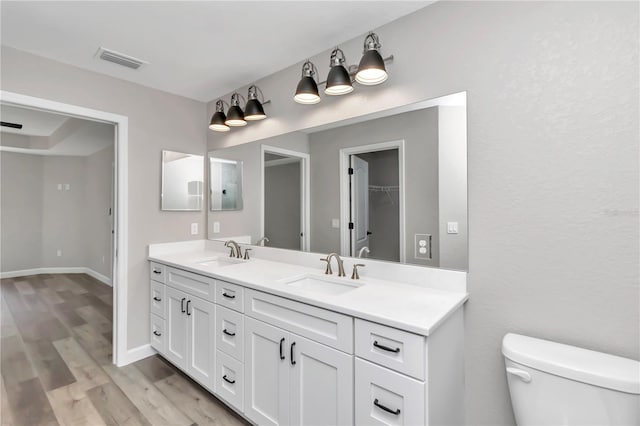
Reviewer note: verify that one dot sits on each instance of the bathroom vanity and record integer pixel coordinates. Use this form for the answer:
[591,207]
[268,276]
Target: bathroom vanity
[280,342]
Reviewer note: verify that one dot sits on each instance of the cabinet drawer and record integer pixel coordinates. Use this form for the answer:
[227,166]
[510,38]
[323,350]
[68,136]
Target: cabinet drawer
[230,332]
[331,328]
[157,272]
[230,295]
[194,284]
[229,380]
[158,304]
[384,397]
[158,341]
[390,347]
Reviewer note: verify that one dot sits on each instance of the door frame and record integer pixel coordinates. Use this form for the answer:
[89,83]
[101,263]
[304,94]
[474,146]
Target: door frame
[305,206]
[345,205]
[119,253]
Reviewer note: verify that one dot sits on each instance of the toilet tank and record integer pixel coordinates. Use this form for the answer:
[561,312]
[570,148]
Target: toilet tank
[555,384]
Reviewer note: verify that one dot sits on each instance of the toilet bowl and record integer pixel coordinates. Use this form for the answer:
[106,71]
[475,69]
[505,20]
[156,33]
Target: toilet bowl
[556,384]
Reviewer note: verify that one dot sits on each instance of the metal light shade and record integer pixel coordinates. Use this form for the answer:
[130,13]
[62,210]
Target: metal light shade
[217,122]
[307,91]
[235,117]
[254,111]
[371,70]
[339,80]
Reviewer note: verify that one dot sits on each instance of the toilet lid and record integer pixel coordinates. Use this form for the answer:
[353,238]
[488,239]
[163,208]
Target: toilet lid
[582,365]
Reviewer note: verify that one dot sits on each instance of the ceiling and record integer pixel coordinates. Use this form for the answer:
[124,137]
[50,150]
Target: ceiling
[200,49]
[47,133]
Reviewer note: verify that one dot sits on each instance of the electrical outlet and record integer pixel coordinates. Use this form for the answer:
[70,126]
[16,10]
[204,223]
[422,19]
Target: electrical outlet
[67,187]
[59,187]
[422,246]
[194,229]
[59,253]
[216,227]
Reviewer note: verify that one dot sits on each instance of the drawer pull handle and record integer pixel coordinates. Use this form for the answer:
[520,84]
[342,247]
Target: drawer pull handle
[228,333]
[227,379]
[293,361]
[188,301]
[229,296]
[385,348]
[155,332]
[395,412]
[157,271]
[157,299]
[182,304]
[281,344]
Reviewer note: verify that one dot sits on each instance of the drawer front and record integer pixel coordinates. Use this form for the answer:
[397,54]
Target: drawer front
[229,380]
[158,304]
[230,295]
[230,332]
[194,284]
[158,341]
[399,350]
[320,325]
[157,272]
[384,397]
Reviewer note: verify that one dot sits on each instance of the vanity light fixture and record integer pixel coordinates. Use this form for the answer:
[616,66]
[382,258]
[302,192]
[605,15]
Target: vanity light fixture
[371,70]
[253,111]
[339,80]
[235,116]
[218,118]
[307,90]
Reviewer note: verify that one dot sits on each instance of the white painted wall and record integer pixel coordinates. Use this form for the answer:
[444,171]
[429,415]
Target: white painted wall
[552,95]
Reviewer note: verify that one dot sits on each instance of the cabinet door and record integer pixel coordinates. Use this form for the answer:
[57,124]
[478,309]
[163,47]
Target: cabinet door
[202,339]
[266,400]
[321,384]
[176,327]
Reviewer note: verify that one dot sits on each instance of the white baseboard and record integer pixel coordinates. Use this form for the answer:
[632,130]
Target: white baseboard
[136,354]
[58,270]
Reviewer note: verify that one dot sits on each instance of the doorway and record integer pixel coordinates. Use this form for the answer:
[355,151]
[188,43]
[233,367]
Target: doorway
[372,201]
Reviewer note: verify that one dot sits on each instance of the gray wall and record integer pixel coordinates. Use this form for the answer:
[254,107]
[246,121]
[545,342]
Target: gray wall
[20,211]
[553,165]
[419,129]
[157,121]
[38,219]
[282,205]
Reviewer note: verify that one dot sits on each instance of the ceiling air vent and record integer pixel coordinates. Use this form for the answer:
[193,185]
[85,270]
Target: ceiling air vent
[120,59]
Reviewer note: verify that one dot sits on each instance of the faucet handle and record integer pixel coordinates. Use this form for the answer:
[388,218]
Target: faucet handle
[328,270]
[354,274]
[246,253]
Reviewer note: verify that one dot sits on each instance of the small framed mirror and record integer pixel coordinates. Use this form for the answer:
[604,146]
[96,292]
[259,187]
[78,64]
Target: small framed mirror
[182,181]
[226,184]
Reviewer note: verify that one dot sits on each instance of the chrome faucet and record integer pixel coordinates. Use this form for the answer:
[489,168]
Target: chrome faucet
[235,249]
[340,264]
[364,249]
[262,240]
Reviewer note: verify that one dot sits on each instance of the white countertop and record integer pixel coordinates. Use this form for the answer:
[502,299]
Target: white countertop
[405,306]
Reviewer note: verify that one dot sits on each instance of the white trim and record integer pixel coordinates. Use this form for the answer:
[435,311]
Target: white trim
[58,270]
[121,218]
[344,191]
[305,200]
[136,354]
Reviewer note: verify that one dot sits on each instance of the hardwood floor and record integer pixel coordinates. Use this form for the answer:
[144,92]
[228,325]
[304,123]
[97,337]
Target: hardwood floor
[55,359]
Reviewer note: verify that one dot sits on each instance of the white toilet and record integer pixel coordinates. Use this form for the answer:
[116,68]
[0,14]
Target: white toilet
[555,384]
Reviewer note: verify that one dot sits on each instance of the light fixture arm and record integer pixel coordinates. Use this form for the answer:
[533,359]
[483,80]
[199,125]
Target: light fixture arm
[337,57]
[220,103]
[309,70]
[235,99]
[252,93]
[371,42]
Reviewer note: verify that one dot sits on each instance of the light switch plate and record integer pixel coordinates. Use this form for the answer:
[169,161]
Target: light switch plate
[452,227]
[194,229]
[335,223]
[216,227]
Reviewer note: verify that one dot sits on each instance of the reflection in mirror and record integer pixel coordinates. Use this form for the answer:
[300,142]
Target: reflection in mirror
[182,181]
[226,184]
[391,186]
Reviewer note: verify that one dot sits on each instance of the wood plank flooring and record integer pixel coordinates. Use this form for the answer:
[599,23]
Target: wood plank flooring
[55,360]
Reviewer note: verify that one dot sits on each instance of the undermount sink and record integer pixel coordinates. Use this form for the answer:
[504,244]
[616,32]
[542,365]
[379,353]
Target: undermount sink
[218,261]
[320,284]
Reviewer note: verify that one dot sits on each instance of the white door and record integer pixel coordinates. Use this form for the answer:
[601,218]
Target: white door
[266,400]
[359,204]
[176,342]
[202,337]
[321,384]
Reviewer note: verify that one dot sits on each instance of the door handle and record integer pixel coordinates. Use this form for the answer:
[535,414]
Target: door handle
[385,348]
[293,361]
[155,332]
[157,299]
[182,304]
[388,410]
[228,333]
[229,296]
[157,271]
[188,301]
[228,380]
[523,375]
[281,344]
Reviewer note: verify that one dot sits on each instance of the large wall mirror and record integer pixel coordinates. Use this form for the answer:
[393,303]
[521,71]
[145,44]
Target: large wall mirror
[389,186]
[182,181]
